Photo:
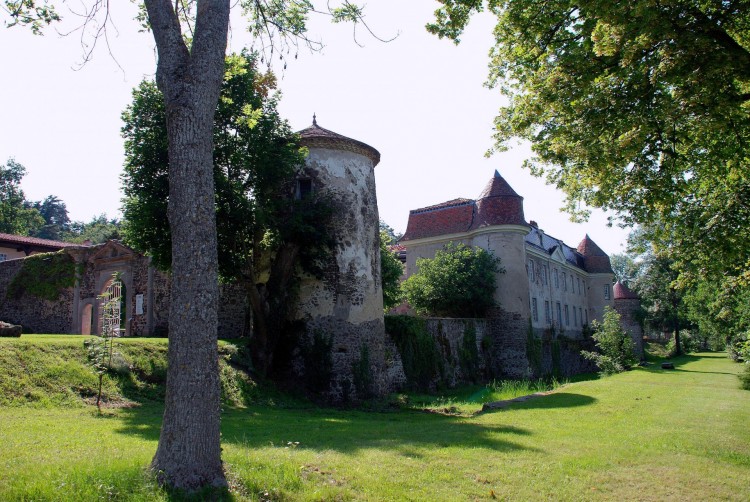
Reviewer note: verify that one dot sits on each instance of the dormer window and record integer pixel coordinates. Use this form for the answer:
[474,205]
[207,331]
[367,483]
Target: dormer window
[304,189]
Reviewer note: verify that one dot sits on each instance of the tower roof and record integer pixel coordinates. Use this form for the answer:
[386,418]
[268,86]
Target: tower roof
[498,204]
[595,260]
[497,187]
[622,292]
[318,137]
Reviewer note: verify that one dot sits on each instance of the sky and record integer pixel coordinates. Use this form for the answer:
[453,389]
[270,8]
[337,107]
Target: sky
[420,101]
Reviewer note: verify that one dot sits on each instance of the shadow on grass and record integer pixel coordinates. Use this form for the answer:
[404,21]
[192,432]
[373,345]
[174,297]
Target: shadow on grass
[549,401]
[342,431]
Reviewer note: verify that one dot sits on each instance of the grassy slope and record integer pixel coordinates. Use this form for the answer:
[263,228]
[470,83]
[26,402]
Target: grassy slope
[647,434]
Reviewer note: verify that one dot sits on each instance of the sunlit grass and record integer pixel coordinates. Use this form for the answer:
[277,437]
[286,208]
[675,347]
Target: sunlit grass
[647,434]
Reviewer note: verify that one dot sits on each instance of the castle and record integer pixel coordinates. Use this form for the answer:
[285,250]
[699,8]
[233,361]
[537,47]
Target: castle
[548,293]
[553,287]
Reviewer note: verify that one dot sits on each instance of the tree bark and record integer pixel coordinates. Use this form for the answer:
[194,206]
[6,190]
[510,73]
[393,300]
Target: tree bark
[188,456]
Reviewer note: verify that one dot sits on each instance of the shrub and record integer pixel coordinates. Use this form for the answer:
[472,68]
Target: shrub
[615,347]
[745,378]
[391,270]
[460,281]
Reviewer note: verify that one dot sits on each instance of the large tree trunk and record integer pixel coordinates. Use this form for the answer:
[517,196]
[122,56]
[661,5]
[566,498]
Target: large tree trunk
[189,452]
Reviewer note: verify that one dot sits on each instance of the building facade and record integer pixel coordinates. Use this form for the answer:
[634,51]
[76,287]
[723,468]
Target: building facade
[554,288]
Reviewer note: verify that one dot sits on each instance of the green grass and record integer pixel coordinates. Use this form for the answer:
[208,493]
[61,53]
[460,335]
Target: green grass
[648,434]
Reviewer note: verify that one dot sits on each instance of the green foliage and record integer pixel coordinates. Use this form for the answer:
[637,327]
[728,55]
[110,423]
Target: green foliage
[17,216]
[56,220]
[362,374]
[388,234]
[391,270]
[35,14]
[100,229]
[256,157]
[419,354]
[318,357]
[745,377]
[460,281]
[637,107]
[44,275]
[616,351]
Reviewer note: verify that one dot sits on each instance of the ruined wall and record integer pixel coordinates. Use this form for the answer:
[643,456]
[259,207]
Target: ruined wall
[36,315]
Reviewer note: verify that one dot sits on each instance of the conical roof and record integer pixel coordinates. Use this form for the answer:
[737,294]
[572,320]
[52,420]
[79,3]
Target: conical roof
[595,260]
[497,187]
[318,137]
[622,292]
[498,204]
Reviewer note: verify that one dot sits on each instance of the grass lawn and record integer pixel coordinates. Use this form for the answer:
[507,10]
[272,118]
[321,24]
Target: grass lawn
[648,434]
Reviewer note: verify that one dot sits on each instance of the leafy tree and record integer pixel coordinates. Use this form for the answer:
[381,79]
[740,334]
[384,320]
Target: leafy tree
[460,281]
[391,270]
[56,220]
[616,350]
[15,215]
[638,107]
[100,229]
[392,237]
[264,232]
[626,269]
[189,73]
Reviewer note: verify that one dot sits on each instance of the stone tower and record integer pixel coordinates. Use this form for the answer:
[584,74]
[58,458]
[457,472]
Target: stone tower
[346,307]
[627,304]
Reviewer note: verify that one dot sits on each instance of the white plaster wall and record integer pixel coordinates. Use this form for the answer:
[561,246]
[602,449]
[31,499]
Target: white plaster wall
[355,293]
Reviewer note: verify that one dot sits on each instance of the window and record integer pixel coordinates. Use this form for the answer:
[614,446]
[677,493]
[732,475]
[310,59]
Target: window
[567,316]
[579,285]
[606,291]
[304,189]
[547,313]
[3,256]
[544,275]
[572,283]
[531,270]
[580,312]
[587,317]
[557,279]
[575,317]
[565,281]
[559,314]
[534,313]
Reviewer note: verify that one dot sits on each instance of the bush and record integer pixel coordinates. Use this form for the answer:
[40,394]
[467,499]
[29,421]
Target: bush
[391,270]
[419,354]
[616,351]
[745,378]
[460,281]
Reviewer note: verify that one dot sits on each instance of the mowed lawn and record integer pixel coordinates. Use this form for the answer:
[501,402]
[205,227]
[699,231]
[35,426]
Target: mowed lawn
[648,434]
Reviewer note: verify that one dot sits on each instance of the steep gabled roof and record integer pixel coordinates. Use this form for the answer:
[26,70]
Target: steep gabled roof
[318,137]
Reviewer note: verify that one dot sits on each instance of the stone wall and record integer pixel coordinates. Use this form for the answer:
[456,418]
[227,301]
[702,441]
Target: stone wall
[36,315]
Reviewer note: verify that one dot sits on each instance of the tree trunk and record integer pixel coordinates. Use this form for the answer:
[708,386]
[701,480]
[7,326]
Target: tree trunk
[188,456]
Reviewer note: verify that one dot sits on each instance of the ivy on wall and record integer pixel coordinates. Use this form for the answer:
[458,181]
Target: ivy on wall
[419,353]
[44,276]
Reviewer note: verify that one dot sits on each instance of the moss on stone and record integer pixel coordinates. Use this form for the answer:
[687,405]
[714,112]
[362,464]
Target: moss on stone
[44,276]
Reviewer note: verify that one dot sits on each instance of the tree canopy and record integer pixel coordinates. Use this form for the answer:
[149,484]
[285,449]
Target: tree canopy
[638,107]
[460,281]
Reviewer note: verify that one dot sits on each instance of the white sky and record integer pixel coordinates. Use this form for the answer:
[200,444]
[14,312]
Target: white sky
[418,100]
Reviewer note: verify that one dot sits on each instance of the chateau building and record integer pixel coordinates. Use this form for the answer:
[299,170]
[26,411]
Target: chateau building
[556,288]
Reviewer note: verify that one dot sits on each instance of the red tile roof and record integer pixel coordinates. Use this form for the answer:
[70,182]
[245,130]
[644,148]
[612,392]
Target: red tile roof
[316,136]
[498,204]
[622,292]
[33,241]
[595,260]
[450,217]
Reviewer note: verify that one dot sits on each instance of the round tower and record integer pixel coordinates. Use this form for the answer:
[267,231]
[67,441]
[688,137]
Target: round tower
[344,309]
[628,304]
